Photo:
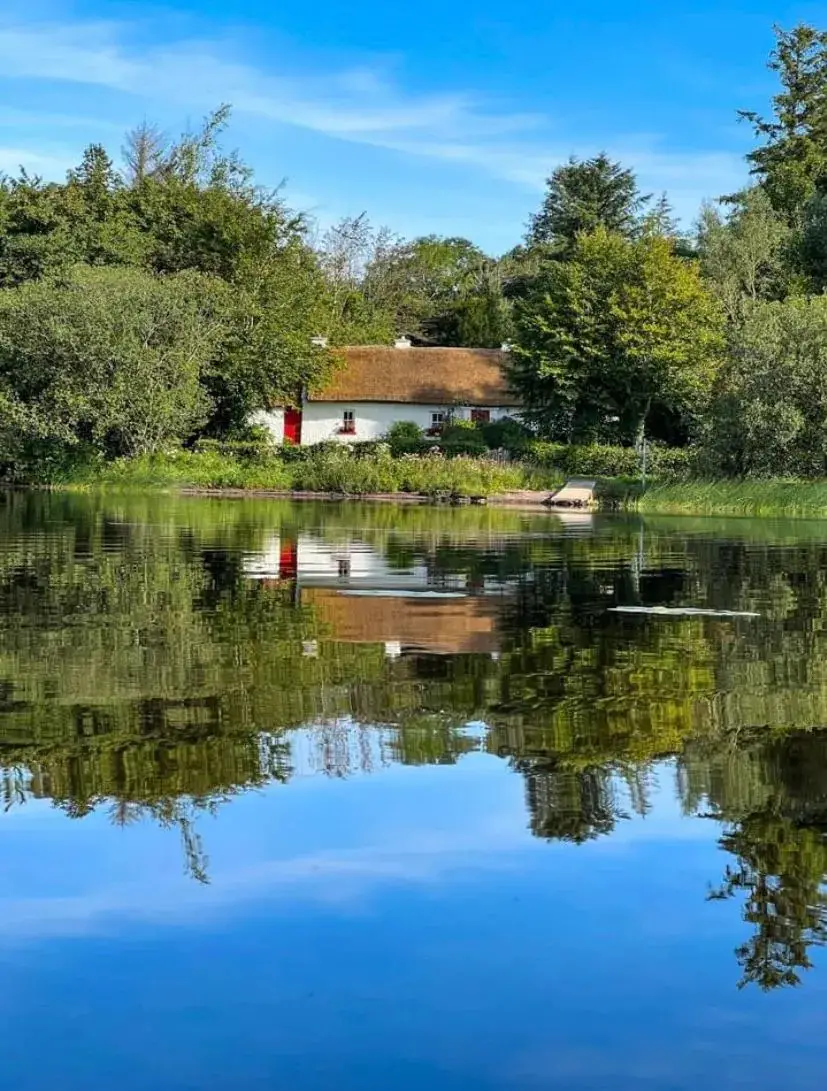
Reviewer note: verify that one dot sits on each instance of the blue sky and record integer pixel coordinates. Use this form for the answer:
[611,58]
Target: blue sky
[432,117]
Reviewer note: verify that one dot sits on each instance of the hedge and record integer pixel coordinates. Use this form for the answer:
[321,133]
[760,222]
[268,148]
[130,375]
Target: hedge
[602,460]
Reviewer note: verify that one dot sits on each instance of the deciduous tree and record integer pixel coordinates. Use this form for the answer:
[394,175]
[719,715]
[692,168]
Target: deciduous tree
[620,327]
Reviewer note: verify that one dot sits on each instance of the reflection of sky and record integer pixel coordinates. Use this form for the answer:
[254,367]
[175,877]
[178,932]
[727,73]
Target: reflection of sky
[384,931]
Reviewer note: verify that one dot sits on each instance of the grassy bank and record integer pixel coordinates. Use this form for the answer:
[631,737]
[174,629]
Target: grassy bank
[341,472]
[767,498]
[338,472]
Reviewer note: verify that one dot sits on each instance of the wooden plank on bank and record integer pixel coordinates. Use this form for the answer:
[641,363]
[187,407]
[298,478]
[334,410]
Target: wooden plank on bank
[578,492]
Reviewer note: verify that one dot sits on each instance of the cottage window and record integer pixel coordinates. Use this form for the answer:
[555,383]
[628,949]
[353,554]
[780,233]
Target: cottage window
[480,416]
[438,420]
[348,423]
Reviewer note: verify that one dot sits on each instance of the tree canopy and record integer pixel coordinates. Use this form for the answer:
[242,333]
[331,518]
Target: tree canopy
[620,322]
[582,196]
[623,325]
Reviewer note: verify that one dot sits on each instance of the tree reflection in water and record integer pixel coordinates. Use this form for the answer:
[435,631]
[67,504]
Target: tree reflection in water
[154,663]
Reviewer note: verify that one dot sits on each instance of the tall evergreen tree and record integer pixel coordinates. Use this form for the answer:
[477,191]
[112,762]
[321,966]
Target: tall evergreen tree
[582,196]
[791,161]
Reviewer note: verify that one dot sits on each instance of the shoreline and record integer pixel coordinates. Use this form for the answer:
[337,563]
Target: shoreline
[530,499]
[770,499]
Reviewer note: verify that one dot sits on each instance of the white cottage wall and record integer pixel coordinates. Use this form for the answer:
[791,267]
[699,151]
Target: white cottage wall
[322,421]
[272,420]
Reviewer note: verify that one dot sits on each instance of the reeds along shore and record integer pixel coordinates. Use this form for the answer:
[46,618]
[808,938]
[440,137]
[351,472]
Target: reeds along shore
[432,477]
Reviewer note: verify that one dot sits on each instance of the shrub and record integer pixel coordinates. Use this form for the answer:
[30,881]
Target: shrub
[405,437]
[260,449]
[602,460]
[462,437]
[506,434]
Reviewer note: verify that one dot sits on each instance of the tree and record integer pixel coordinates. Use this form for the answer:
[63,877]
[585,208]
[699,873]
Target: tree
[743,254]
[354,314]
[144,153]
[792,160]
[582,196]
[622,326]
[444,290]
[110,360]
[769,415]
[660,219]
[275,307]
[808,245]
[189,206]
[35,238]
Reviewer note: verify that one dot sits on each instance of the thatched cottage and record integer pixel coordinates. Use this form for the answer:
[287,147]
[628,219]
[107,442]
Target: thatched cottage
[377,385]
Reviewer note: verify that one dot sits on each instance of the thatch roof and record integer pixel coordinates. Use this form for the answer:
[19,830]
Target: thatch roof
[426,376]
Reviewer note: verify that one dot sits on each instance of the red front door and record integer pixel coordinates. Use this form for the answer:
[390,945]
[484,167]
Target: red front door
[293,426]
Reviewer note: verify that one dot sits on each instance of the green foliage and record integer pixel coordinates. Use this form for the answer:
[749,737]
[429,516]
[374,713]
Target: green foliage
[507,434]
[341,471]
[443,289]
[769,417]
[186,207]
[109,360]
[404,437]
[600,460]
[584,196]
[743,255]
[337,468]
[462,437]
[622,326]
[789,498]
[808,249]
[791,163]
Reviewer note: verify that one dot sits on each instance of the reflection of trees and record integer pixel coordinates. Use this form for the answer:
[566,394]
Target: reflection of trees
[780,874]
[772,793]
[141,673]
[169,782]
[569,805]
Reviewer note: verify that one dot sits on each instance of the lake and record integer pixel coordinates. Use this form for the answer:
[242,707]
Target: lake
[353,797]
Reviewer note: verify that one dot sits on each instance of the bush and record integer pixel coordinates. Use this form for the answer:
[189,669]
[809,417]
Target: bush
[405,438]
[432,475]
[462,437]
[345,471]
[602,460]
[255,450]
[506,434]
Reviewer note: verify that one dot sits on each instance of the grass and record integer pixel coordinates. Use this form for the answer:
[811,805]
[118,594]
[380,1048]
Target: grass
[338,472]
[344,472]
[747,498]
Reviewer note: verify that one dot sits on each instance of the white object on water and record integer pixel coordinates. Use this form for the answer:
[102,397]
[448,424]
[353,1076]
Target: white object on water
[681,611]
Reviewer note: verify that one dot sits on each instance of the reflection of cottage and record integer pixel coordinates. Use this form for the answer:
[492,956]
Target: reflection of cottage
[361,597]
[377,385]
[348,563]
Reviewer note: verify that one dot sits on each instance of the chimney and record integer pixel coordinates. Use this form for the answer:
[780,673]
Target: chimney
[402,343]
[319,342]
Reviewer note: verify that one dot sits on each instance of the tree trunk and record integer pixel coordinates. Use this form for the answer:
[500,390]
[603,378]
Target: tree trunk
[640,431]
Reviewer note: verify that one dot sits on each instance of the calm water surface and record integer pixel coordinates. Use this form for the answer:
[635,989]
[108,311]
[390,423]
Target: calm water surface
[343,797]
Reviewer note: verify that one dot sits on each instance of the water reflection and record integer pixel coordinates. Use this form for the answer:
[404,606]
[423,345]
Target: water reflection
[159,658]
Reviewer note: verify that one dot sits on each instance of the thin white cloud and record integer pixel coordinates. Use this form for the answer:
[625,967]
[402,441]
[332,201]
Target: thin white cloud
[348,103]
[48,166]
[361,104]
